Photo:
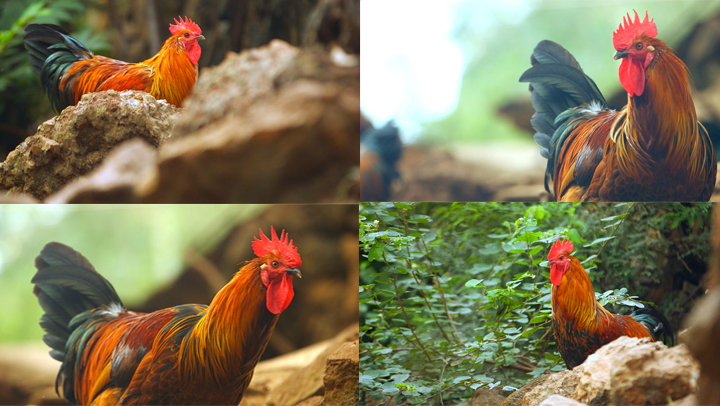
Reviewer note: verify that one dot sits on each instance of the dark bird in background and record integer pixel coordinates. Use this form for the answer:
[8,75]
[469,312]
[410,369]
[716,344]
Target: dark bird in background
[653,149]
[380,149]
[189,354]
[581,325]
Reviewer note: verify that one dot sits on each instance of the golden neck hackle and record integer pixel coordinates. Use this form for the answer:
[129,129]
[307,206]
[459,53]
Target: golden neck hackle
[227,341]
[574,298]
[174,72]
[660,126]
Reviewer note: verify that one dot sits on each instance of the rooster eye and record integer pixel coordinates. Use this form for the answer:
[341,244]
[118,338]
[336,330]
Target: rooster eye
[274,264]
[187,35]
[639,46]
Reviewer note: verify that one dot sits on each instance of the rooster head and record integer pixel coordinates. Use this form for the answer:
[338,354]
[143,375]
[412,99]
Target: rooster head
[187,33]
[634,45]
[280,262]
[559,258]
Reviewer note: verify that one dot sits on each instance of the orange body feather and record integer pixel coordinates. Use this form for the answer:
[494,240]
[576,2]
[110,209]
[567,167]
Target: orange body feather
[581,325]
[653,149]
[190,354]
[69,70]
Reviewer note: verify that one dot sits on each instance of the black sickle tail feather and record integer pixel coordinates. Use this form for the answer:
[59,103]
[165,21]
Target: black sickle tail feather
[68,287]
[386,145]
[557,84]
[656,323]
[52,51]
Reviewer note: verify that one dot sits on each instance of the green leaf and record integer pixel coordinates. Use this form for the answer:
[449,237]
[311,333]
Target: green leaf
[399,378]
[389,387]
[461,379]
[574,236]
[599,240]
[483,378]
[551,357]
[538,319]
[376,251]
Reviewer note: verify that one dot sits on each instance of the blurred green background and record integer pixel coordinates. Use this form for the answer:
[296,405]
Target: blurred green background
[406,54]
[138,248]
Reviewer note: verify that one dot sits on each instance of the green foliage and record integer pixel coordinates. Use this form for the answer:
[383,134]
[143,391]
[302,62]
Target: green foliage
[18,82]
[495,59]
[456,296]
[138,249]
[17,14]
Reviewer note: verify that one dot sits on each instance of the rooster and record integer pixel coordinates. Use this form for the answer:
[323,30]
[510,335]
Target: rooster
[68,70]
[189,354]
[581,325]
[653,149]
[380,150]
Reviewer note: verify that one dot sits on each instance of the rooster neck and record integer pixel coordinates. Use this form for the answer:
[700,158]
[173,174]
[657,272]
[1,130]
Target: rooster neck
[661,123]
[173,72]
[227,342]
[574,298]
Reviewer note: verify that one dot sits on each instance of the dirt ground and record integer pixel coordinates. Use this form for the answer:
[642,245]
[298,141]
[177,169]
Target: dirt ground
[499,173]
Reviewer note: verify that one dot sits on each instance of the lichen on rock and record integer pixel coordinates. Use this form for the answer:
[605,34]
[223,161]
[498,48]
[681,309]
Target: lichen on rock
[76,141]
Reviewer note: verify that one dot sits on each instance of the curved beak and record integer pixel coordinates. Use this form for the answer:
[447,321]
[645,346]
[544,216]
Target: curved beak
[620,54]
[200,37]
[294,271]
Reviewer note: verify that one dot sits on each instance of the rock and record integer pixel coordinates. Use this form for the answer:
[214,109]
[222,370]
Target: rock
[115,180]
[308,381]
[276,124]
[557,400]
[271,373]
[562,383]
[703,326]
[626,371]
[312,401]
[273,124]
[14,198]
[637,371]
[341,375]
[651,374]
[234,85]
[689,400]
[73,143]
[487,397]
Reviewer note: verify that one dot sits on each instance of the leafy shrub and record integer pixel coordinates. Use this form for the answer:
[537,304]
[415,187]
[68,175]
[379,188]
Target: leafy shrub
[22,97]
[455,297]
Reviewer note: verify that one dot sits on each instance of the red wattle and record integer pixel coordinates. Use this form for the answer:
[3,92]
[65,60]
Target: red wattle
[632,76]
[556,275]
[279,294]
[193,51]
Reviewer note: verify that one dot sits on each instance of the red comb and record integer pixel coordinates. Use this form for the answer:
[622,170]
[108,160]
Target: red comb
[632,29]
[187,24]
[560,247]
[278,246]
